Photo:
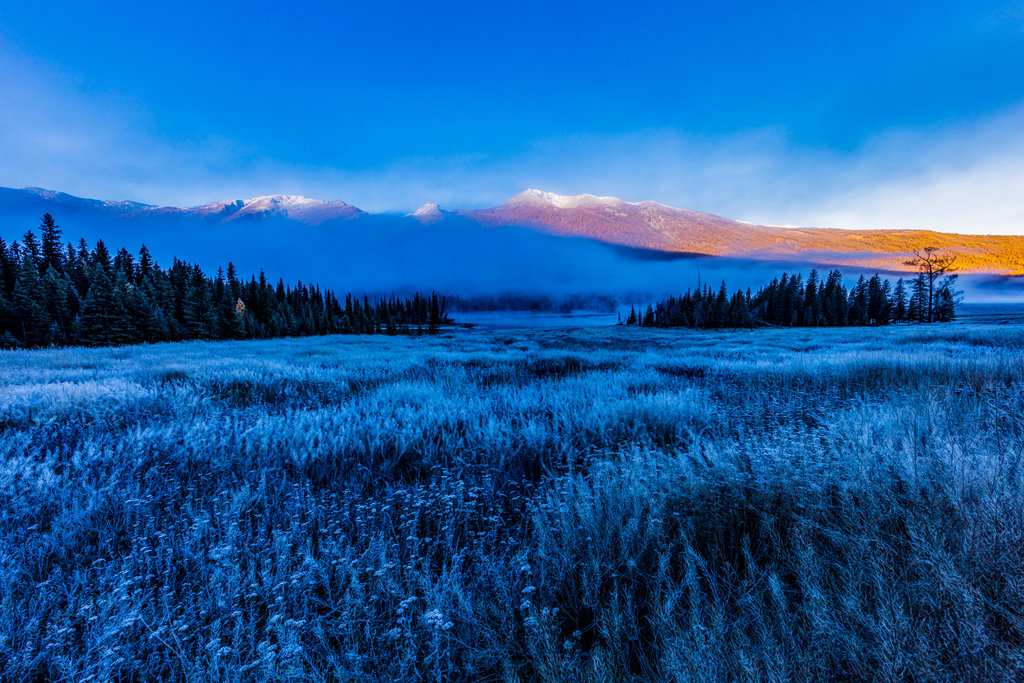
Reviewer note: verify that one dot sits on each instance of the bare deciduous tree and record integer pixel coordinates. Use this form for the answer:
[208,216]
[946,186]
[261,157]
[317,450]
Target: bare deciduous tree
[933,265]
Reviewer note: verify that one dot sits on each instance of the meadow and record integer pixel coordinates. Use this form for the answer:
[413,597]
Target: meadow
[557,504]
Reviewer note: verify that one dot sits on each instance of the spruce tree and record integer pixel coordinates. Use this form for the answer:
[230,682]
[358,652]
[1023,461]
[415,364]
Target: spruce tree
[877,302]
[30,249]
[720,312]
[100,309]
[101,256]
[858,303]
[146,264]
[945,302]
[885,304]
[30,304]
[57,293]
[917,309]
[8,270]
[739,314]
[812,314]
[899,302]
[199,321]
[52,249]
[122,321]
[144,313]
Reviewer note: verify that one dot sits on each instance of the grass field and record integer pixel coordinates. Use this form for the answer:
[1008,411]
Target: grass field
[597,504]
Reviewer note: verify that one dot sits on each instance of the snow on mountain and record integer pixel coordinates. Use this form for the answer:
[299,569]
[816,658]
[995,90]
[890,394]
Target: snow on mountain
[430,213]
[292,207]
[654,226]
[561,201]
[69,200]
[646,225]
[302,209]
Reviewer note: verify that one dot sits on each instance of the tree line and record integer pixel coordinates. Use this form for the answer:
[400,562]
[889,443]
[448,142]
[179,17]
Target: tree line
[57,294]
[795,301]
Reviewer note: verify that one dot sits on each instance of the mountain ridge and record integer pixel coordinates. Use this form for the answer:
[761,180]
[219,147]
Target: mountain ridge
[295,207]
[654,226]
[646,225]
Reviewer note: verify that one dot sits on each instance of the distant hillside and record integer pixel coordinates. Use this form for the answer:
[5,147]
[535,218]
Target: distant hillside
[650,225]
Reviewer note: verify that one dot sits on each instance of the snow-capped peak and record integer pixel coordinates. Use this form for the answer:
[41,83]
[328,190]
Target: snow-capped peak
[428,209]
[429,213]
[561,201]
[274,202]
[285,201]
[292,206]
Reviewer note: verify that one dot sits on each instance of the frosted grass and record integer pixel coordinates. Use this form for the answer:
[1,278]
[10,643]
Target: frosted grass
[558,505]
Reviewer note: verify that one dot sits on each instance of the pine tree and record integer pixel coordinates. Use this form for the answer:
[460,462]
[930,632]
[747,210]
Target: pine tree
[57,293]
[199,321]
[146,264]
[77,267]
[877,302]
[100,310]
[30,305]
[436,315]
[917,309]
[30,250]
[234,286]
[101,256]
[52,253]
[899,302]
[739,314]
[8,270]
[812,313]
[946,299]
[125,264]
[885,304]
[858,303]
[147,319]
[123,329]
[230,320]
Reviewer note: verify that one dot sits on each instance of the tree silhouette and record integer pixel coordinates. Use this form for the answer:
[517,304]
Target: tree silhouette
[933,266]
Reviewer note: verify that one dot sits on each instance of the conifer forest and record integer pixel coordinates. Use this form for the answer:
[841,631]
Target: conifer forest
[55,294]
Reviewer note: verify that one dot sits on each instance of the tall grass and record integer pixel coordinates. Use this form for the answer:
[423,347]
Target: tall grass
[557,505]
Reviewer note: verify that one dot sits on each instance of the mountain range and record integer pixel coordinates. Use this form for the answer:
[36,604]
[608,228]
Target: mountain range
[654,226]
[646,225]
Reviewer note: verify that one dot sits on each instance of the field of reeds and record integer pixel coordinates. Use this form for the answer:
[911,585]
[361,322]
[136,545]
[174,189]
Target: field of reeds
[596,504]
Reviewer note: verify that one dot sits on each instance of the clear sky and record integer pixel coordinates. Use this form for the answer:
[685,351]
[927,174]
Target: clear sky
[866,114]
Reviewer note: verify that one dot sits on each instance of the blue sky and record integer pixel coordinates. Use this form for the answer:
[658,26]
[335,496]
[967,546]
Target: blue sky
[864,114]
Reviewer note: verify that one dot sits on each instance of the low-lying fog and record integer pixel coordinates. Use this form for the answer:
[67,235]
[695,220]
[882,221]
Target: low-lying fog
[385,254]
